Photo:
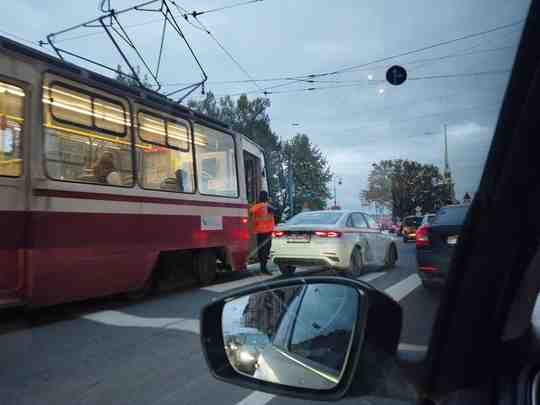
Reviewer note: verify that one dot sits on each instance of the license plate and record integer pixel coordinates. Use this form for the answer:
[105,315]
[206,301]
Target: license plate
[452,240]
[298,238]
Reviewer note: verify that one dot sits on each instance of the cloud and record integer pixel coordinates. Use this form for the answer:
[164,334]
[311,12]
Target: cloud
[354,126]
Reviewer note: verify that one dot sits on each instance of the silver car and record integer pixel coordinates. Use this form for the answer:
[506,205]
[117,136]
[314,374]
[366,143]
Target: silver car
[346,240]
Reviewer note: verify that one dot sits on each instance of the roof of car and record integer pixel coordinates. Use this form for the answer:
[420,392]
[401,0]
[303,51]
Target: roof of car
[326,211]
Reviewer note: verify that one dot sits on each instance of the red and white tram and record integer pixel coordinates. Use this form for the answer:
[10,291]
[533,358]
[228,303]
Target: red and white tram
[107,189]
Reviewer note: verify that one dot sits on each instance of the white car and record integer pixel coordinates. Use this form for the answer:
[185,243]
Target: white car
[344,240]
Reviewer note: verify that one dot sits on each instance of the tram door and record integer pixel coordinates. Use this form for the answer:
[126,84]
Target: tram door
[12,189]
[253,179]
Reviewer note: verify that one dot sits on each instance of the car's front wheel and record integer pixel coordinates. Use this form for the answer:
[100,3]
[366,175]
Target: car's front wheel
[286,269]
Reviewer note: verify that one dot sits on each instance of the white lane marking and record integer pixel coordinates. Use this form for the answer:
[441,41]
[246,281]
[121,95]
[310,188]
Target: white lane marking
[256,398]
[371,276]
[219,288]
[412,348]
[118,318]
[406,286]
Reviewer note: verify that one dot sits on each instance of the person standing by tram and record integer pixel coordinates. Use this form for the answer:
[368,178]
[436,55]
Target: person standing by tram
[263,225]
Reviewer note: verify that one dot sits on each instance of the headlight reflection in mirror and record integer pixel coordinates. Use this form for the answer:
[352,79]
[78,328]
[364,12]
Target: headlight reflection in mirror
[296,335]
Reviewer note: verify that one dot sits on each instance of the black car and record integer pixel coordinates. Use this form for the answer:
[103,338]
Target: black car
[435,243]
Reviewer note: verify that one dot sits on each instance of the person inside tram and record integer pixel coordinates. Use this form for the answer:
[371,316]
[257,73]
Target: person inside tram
[105,170]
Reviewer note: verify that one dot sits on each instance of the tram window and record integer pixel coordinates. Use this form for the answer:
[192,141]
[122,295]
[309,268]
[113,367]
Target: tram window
[109,116]
[70,106]
[84,148]
[165,159]
[151,129]
[178,136]
[216,163]
[11,129]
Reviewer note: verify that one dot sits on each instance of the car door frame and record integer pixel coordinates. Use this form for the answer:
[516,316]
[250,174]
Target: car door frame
[377,237]
[362,237]
[467,348]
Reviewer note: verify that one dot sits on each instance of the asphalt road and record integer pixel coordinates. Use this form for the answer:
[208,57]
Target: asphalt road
[111,351]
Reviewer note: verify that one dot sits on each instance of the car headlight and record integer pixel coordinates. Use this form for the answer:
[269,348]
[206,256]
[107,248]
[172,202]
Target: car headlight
[246,357]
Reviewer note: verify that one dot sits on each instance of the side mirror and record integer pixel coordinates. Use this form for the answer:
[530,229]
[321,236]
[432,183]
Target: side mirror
[307,337]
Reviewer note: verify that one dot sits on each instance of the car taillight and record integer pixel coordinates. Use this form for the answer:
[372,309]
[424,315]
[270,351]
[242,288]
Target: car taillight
[422,237]
[428,269]
[244,220]
[327,234]
[278,234]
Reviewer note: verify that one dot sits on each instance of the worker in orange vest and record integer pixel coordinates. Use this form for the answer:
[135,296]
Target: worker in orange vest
[263,225]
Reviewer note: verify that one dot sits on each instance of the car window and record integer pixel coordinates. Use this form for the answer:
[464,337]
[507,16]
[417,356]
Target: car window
[413,221]
[315,218]
[451,215]
[358,220]
[372,224]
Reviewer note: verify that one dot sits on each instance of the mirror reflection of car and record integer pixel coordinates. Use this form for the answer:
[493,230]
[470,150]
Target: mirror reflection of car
[243,346]
[247,354]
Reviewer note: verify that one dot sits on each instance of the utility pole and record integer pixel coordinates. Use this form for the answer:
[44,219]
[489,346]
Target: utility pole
[335,190]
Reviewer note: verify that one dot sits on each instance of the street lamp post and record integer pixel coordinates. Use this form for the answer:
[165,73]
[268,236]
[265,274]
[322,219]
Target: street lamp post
[335,189]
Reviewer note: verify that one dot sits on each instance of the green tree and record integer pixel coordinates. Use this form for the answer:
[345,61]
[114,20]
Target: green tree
[402,185]
[130,81]
[311,173]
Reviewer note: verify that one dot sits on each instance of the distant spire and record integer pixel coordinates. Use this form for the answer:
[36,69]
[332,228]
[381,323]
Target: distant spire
[446,163]
[447,175]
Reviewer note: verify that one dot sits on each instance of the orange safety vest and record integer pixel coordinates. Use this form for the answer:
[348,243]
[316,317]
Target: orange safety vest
[263,221]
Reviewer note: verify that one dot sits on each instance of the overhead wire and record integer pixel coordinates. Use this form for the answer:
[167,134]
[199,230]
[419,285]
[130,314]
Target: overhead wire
[364,83]
[370,63]
[314,80]
[212,10]
[153,21]
[421,49]
[91,34]
[417,50]
[225,50]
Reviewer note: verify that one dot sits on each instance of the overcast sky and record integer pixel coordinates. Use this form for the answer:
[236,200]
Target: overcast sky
[354,126]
